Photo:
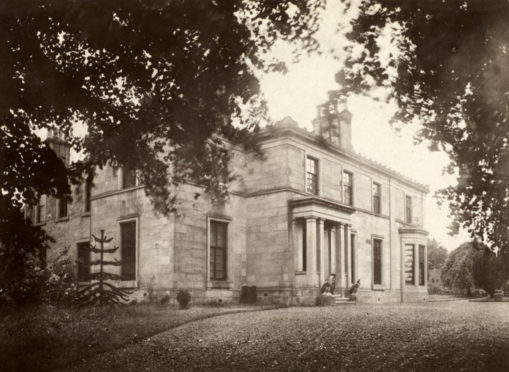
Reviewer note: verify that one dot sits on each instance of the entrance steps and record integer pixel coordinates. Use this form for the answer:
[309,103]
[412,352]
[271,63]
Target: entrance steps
[340,300]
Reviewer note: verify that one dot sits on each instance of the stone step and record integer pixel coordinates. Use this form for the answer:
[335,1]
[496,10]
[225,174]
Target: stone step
[340,300]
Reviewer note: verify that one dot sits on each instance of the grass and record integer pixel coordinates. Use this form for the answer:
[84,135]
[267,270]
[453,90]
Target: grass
[444,336]
[45,337]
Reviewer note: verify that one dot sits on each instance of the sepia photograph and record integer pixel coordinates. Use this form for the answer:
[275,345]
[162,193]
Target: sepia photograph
[254,185]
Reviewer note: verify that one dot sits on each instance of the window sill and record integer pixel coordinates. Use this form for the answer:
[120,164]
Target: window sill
[40,223]
[300,273]
[132,284]
[378,288]
[219,284]
[62,219]
[85,214]
[126,283]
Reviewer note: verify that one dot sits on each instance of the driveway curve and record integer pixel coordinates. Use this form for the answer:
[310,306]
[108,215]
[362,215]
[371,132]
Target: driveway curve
[439,336]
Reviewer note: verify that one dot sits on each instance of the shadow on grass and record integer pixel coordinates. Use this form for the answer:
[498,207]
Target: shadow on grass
[41,338]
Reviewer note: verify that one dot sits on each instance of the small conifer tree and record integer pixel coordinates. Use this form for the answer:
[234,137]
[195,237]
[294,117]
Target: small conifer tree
[100,290]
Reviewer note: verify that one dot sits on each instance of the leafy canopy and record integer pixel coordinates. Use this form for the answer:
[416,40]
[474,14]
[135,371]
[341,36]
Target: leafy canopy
[151,84]
[448,67]
[155,83]
[457,271]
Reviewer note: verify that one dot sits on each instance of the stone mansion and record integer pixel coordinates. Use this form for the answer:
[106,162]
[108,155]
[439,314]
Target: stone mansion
[312,207]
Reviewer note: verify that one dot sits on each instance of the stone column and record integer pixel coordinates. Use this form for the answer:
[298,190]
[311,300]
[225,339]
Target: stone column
[348,249]
[340,233]
[333,248]
[311,250]
[297,247]
[425,265]
[321,249]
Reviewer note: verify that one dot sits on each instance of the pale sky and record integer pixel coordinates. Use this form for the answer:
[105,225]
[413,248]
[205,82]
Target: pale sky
[305,86]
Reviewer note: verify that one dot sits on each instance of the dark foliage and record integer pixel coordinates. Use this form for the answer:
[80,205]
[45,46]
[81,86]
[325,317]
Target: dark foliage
[22,252]
[59,283]
[449,68]
[183,298]
[101,290]
[457,271]
[488,271]
[153,83]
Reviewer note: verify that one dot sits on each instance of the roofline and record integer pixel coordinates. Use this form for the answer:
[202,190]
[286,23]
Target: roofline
[282,130]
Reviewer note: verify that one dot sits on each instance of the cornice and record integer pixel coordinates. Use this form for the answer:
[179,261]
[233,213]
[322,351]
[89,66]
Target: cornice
[276,131]
[314,200]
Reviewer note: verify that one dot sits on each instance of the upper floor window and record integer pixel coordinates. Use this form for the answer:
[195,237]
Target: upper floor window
[377,198]
[218,239]
[408,209]
[88,194]
[312,175]
[128,177]
[38,211]
[61,208]
[348,188]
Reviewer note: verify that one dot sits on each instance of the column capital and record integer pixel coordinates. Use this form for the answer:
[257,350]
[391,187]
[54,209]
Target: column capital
[311,219]
[320,221]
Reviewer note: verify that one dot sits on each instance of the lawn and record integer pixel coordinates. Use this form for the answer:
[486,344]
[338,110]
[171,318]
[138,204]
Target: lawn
[446,336]
[45,337]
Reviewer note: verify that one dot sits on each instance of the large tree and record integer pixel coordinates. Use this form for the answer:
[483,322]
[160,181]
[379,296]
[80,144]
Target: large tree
[154,84]
[445,64]
[457,271]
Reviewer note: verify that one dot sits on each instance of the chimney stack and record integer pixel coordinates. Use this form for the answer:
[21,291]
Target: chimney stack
[59,145]
[334,123]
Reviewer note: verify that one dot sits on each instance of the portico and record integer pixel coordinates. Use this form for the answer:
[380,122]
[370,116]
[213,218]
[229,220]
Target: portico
[322,236]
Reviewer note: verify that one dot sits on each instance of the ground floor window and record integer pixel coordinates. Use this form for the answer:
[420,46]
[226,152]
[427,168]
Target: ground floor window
[218,245]
[84,262]
[377,261]
[128,250]
[409,264]
[421,264]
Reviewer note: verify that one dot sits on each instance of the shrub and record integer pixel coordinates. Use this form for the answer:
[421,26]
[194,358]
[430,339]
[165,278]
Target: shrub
[183,298]
[60,285]
[54,284]
[25,287]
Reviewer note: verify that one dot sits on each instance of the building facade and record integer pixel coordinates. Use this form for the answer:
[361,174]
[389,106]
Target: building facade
[310,208]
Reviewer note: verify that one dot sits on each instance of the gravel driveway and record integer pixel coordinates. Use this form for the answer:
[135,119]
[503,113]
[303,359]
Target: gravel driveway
[440,336]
